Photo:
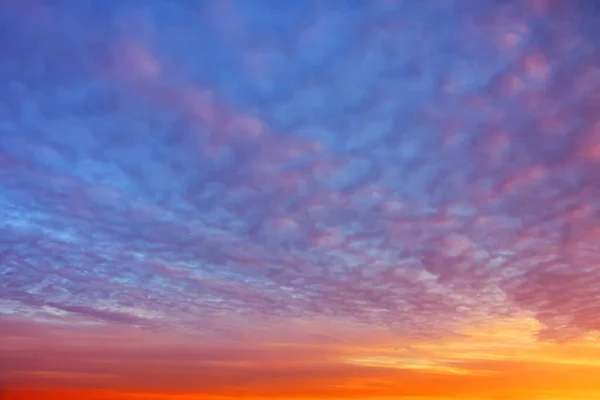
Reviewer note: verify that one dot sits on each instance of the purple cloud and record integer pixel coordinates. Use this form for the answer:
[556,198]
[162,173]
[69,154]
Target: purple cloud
[414,166]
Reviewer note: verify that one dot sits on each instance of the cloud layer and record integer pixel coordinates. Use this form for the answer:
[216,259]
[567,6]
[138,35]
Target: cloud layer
[413,166]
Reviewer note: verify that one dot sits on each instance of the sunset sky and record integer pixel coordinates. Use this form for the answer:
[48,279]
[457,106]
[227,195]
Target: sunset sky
[295,199]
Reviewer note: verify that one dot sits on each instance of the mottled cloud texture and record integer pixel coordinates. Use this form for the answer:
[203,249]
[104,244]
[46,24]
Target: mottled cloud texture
[222,166]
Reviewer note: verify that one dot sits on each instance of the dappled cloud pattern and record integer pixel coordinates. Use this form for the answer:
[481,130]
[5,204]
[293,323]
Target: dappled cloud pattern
[295,172]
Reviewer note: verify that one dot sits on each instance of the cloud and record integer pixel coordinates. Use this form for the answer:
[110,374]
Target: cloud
[385,174]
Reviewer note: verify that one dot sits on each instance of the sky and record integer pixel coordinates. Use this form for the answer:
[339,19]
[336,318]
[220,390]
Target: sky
[267,199]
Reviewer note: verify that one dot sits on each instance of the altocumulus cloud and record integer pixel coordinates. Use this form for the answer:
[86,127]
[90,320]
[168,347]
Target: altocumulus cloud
[412,165]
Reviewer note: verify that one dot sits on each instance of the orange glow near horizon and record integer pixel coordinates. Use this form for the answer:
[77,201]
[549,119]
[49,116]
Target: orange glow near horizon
[500,360]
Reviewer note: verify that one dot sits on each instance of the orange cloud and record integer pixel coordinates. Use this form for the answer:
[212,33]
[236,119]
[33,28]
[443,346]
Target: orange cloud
[501,361]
